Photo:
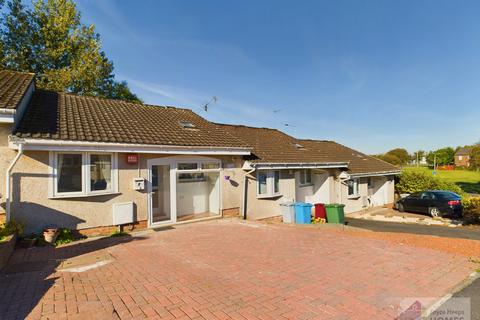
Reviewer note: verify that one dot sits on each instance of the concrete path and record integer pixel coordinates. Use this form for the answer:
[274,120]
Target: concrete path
[473,293]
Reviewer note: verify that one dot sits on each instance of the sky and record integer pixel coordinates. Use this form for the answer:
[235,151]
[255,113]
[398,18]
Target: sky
[373,75]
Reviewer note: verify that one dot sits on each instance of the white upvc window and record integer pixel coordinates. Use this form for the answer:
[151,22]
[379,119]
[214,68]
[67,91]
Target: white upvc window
[82,174]
[305,177]
[268,183]
[353,188]
[195,171]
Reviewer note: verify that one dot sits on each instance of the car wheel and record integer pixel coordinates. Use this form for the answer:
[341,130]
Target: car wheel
[400,207]
[434,212]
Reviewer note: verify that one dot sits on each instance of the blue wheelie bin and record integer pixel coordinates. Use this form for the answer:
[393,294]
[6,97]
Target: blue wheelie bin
[303,213]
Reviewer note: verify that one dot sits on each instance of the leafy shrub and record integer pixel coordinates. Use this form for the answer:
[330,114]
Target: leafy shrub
[414,181]
[11,227]
[3,233]
[471,208]
[64,236]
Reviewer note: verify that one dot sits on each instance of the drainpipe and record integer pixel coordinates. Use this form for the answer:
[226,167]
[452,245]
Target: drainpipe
[244,197]
[8,178]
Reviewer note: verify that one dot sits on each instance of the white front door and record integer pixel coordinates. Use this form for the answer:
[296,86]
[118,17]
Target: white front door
[161,187]
[379,197]
[160,194]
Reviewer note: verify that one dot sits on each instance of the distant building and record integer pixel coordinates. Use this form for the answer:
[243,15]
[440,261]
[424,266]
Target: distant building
[462,157]
[423,161]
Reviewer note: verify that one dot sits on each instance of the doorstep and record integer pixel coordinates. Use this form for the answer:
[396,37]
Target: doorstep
[172,224]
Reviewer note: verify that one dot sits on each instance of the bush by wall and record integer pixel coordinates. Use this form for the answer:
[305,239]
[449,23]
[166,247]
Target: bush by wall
[471,209]
[10,228]
[64,236]
[413,181]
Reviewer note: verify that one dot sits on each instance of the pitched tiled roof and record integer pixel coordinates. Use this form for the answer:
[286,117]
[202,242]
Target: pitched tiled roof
[359,163]
[463,152]
[274,146]
[61,116]
[13,86]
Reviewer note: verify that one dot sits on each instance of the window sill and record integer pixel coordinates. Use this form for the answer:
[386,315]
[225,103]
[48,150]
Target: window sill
[269,196]
[354,197]
[72,196]
[306,185]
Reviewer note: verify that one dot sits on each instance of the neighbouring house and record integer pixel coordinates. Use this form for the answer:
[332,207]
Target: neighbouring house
[90,164]
[462,157]
[283,168]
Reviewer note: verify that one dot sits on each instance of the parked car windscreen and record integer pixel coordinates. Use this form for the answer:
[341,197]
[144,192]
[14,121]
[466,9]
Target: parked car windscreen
[445,195]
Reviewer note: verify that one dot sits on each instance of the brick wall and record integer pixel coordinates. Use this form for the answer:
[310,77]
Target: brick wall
[231,212]
[462,161]
[108,230]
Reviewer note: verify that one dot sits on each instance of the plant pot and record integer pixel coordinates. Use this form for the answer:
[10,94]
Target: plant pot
[50,235]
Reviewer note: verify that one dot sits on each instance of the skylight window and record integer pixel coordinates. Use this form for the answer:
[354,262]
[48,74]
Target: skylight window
[187,125]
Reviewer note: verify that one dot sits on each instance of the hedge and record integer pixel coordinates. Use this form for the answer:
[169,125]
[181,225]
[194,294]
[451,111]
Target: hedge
[414,181]
[471,208]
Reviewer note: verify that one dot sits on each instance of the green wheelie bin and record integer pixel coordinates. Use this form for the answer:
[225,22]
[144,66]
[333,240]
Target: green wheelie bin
[335,213]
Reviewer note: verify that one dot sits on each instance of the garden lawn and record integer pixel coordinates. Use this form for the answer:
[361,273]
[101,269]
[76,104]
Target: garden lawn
[468,180]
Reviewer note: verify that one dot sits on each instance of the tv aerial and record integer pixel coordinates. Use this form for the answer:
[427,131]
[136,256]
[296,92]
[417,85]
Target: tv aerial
[213,100]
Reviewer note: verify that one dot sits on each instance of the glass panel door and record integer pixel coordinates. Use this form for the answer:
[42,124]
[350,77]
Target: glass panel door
[161,193]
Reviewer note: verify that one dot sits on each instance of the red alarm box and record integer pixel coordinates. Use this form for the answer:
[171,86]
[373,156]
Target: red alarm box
[132,158]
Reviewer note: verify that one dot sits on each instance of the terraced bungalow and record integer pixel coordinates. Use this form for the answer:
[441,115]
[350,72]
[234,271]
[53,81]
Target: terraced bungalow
[92,164]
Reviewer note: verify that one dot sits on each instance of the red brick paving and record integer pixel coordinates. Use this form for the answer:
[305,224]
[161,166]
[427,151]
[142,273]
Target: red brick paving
[229,270]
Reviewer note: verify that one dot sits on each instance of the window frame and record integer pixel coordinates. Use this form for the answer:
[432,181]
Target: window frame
[304,175]
[86,188]
[88,182]
[199,169]
[271,185]
[356,188]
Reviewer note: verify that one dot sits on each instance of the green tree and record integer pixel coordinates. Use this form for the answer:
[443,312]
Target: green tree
[16,38]
[401,154]
[475,157]
[443,156]
[65,54]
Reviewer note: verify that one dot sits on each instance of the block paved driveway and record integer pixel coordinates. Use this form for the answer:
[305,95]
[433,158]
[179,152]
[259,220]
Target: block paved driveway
[227,269]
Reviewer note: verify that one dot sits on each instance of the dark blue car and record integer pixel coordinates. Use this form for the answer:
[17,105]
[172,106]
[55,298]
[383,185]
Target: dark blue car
[436,203]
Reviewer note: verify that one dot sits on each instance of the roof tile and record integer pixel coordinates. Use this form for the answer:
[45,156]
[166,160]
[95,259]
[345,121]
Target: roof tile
[63,116]
[13,85]
[274,146]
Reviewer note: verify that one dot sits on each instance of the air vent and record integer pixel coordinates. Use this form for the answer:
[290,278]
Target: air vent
[187,125]
[299,146]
